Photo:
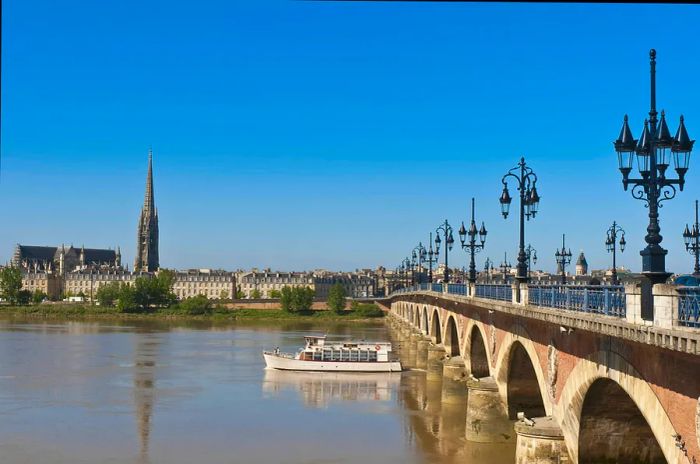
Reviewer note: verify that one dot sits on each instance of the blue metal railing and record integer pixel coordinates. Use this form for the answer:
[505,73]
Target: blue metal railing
[457,289]
[689,306]
[436,287]
[495,292]
[424,286]
[608,300]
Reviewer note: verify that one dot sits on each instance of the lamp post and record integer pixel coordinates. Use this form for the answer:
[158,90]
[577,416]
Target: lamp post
[432,257]
[406,266]
[526,180]
[446,230]
[488,267]
[419,254]
[505,268]
[653,152]
[471,244]
[531,254]
[691,237]
[563,258]
[611,245]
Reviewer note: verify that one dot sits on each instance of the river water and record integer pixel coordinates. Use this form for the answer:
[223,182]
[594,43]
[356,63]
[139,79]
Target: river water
[144,392]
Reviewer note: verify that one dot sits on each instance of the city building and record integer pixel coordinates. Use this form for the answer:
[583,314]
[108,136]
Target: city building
[355,285]
[266,281]
[62,259]
[214,284]
[87,281]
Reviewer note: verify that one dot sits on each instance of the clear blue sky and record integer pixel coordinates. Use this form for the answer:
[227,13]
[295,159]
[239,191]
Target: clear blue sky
[296,135]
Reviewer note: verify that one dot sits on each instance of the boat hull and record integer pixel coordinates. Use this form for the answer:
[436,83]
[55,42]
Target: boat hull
[289,364]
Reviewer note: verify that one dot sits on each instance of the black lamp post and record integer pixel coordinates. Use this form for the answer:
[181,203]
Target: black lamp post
[505,267]
[431,257]
[653,152]
[526,180]
[413,268]
[406,266]
[611,245]
[417,256]
[471,245]
[563,258]
[488,268]
[531,254]
[691,237]
[446,230]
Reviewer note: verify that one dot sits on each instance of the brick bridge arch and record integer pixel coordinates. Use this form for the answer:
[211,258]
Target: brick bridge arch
[610,365]
[515,339]
[475,333]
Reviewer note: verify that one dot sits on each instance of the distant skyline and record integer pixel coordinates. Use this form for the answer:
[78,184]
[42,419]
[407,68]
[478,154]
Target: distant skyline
[301,135]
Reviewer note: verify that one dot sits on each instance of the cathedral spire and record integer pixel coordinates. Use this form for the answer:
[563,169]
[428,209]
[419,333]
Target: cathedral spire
[149,202]
[147,234]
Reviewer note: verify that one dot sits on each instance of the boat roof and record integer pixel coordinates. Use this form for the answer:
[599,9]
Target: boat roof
[314,337]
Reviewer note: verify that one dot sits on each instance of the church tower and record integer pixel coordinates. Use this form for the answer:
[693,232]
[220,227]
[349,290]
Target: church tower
[581,265]
[147,234]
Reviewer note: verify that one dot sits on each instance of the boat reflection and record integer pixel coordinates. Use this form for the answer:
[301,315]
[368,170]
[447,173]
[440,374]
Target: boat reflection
[318,389]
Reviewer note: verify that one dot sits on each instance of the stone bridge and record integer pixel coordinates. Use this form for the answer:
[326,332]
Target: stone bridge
[595,385]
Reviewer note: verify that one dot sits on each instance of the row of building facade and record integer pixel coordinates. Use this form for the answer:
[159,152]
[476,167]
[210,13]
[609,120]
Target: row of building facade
[84,281]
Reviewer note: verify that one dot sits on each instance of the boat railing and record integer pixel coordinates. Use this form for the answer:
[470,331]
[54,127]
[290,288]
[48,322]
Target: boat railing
[280,354]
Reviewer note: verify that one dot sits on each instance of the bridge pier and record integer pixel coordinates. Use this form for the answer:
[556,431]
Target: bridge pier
[453,387]
[541,443]
[422,353]
[436,354]
[487,418]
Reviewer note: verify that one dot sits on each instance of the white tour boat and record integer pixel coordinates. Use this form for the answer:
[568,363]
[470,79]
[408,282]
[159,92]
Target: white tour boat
[319,355]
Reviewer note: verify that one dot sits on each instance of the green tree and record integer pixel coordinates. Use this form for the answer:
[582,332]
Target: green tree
[127,299]
[10,284]
[239,294]
[24,297]
[336,298]
[223,295]
[154,292]
[255,294]
[296,299]
[196,305]
[38,296]
[107,294]
[275,294]
[286,299]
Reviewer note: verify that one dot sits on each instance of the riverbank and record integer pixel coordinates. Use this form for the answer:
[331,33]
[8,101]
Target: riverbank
[80,312]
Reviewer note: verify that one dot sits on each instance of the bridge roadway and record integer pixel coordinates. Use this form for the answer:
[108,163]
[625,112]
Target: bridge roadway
[598,388]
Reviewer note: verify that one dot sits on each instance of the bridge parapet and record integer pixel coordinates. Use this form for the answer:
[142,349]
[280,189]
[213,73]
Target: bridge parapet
[600,310]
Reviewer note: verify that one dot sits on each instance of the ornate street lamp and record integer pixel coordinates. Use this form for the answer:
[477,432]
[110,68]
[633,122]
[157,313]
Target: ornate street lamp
[430,257]
[531,254]
[406,266]
[563,258]
[471,245]
[691,237]
[653,152]
[505,267]
[417,257]
[611,245]
[488,268]
[446,230]
[526,180]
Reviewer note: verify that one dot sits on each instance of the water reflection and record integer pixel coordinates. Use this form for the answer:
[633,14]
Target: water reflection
[145,362]
[129,392]
[318,389]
